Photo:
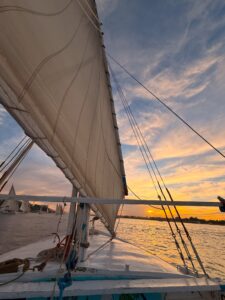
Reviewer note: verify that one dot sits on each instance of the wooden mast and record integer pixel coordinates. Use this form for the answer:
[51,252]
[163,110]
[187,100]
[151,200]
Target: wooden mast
[78,225]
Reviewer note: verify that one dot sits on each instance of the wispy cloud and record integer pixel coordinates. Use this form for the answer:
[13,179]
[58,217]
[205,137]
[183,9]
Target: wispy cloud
[182,62]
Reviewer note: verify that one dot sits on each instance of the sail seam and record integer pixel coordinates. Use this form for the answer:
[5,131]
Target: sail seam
[17,8]
[37,70]
[77,70]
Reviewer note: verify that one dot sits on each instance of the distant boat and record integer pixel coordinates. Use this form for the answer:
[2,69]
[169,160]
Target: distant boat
[59,209]
[25,207]
[10,206]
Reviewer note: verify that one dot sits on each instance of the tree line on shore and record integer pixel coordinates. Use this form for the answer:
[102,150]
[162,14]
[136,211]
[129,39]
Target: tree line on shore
[185,220]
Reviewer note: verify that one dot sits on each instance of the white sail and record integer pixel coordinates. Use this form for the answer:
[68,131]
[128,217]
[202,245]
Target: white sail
[10,205]
[54,81]
[25,207]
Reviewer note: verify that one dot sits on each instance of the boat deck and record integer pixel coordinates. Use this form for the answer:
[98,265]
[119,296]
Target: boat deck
[116,257]
[116,268]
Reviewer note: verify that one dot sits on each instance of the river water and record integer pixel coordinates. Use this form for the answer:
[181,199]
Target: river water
[21,229]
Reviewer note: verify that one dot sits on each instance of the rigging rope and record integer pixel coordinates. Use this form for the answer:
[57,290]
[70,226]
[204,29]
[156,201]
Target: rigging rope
[12,280]
[88,16]
[168,192]
[139,137]
[18,151]
[179,250]
[180,234]
[94,14]
[119,218]
[166,106]
[143,155]
[70,253]
[141,198]
[14,166]
[2,163]
[122,97]
[67,249]
[12,266]
[99,248]
[173,112]
[188,236]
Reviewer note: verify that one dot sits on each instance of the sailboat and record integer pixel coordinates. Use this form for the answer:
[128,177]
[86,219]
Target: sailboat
[54,80]
[25,207]
[10,206]
[58,210]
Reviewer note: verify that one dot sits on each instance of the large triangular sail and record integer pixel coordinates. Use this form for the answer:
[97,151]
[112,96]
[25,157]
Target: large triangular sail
[54,81]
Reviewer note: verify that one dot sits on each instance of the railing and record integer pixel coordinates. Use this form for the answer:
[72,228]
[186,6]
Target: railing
[88,200]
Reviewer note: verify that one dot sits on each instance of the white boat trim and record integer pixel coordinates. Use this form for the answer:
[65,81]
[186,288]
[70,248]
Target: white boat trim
[108,287]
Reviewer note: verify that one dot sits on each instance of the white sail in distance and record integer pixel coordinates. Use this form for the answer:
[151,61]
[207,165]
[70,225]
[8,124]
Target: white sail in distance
[54,81]
[25,207]
[10,205]
[58,209]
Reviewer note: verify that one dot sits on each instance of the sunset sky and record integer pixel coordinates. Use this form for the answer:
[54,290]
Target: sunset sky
[177,49]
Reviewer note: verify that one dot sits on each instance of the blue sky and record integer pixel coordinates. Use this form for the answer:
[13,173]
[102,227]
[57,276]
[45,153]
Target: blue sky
[177,49]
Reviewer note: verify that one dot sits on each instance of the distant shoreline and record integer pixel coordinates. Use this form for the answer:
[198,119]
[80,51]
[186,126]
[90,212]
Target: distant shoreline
[192,220]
